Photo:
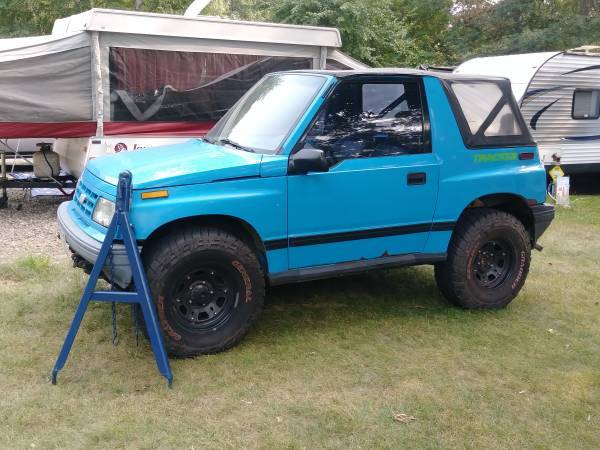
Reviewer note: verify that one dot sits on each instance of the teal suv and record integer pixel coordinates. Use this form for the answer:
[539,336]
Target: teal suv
[318,174]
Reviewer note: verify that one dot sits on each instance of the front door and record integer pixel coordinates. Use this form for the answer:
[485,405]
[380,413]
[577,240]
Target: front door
[379,196]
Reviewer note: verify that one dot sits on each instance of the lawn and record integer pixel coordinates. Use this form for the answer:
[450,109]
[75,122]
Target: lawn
[329,364]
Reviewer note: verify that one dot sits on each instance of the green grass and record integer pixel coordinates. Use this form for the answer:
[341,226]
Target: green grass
[328,365]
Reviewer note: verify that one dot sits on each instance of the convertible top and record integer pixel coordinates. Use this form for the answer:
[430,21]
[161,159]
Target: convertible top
[402,71]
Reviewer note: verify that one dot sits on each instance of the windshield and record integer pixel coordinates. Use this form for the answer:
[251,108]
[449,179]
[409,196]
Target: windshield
[262,119]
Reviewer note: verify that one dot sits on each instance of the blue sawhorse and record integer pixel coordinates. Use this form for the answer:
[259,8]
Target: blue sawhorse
[141,296]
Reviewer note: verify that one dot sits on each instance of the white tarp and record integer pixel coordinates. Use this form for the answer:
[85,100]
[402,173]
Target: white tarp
[46,79]
[120,69]
[30,47]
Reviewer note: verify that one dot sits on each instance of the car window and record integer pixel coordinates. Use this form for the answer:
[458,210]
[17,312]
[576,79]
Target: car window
[264,117]
[477,101]
[362,120]
[586,104]
[487,113]
[505,124]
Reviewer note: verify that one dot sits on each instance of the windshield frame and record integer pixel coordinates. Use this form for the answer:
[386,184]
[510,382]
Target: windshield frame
[301,117]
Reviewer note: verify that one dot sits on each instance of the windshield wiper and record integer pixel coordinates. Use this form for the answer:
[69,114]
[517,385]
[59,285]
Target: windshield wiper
[228,141]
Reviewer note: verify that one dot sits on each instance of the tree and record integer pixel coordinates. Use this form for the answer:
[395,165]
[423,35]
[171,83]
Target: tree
[378,32]
[35,17]
[482,27]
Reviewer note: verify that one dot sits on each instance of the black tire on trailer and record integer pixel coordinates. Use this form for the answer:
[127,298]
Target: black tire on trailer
[208,287]
[488,260]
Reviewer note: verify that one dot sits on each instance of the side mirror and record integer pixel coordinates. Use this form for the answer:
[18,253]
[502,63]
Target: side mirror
[308,160]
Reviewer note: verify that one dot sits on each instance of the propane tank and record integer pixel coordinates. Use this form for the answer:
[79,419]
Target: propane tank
[46,163]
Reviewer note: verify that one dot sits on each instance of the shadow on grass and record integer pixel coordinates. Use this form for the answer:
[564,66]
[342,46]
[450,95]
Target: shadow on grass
[406,299]
[380,295]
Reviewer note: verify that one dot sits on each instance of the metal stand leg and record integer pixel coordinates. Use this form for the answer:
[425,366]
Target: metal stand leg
[148,310]
[141,296]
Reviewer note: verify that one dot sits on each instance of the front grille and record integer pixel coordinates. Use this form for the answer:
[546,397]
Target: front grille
[85,199]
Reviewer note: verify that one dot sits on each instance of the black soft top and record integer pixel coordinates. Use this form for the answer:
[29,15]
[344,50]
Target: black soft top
[471,140]
[400,71]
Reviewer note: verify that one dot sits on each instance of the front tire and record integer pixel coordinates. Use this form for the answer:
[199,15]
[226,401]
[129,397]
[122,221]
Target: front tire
[488,260]
[208,287]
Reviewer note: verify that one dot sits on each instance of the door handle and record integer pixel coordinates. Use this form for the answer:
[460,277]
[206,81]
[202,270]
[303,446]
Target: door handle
[416,178]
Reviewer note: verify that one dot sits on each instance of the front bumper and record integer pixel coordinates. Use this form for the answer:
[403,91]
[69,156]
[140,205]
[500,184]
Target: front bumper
[88,248]
[543,215]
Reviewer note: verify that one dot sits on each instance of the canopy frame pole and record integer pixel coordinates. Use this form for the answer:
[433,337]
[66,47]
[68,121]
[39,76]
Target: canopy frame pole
[4,194]
[98,86]
[323,58]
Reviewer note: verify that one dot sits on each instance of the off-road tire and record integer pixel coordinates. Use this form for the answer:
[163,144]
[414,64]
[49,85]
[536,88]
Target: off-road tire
[174,255]
[458,277]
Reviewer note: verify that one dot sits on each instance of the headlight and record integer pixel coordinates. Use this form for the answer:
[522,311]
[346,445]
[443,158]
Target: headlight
[103,212]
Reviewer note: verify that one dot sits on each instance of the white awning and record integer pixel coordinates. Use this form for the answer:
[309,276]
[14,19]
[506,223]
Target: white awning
[203,27]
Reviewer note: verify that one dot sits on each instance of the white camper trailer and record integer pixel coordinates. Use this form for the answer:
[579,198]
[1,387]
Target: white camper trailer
[111,81]
[559,96]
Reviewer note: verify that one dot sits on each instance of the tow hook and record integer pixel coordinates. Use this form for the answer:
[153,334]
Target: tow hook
[538,247]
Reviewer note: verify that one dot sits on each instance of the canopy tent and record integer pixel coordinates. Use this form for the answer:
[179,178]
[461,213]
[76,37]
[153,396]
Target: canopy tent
[107,72]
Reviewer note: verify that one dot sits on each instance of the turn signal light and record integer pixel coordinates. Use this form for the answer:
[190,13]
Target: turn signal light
[526,156]
[155,194]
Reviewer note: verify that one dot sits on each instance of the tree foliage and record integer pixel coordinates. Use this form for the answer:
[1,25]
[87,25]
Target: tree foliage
[34,17]
[378,32]
[483,27]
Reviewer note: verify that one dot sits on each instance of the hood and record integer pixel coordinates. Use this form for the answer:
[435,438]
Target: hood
[192,162]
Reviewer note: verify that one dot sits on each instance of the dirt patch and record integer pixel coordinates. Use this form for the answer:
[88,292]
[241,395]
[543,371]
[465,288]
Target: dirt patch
[28,227]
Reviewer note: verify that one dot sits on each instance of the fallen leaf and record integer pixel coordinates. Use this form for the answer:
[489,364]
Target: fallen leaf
[551,331]
[247,402]
[279,419]
[522,392]
[403,418]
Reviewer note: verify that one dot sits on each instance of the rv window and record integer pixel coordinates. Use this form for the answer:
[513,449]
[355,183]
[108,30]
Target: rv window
[586,104]
[170,86]
[487,114]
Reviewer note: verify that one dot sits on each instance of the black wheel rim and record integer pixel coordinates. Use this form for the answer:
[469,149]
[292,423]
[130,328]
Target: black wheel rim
[493,263]
[204,297]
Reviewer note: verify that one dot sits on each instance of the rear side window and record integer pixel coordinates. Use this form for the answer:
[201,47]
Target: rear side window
[487,114]
[586,104]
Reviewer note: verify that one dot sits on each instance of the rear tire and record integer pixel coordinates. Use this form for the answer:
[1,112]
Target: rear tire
[488,260]
[208,287]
